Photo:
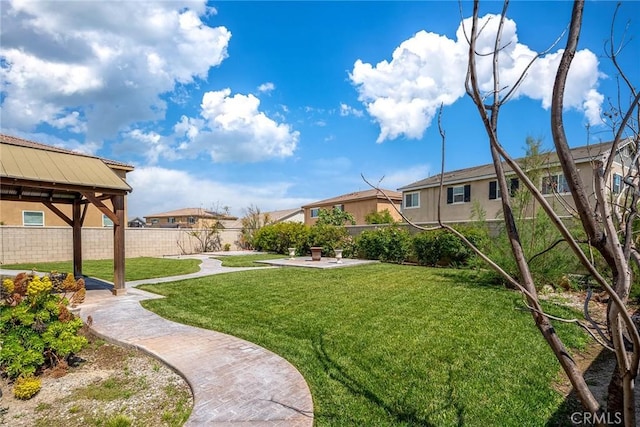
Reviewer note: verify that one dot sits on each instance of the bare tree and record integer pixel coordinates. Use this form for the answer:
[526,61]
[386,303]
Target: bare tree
[603,233]
[608,221]
[252,221]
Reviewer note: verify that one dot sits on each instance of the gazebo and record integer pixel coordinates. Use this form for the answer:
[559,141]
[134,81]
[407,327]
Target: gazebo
[32,172]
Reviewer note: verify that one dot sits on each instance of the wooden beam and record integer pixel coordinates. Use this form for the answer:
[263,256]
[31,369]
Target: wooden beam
[58,212]
[39,185]
[103,208]
[84,214]
[35,199]
[118,246]
[77,240]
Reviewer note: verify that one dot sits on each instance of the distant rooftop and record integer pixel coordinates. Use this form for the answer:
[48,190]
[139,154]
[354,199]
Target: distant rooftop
[195,212]
[580,154]
[359,195]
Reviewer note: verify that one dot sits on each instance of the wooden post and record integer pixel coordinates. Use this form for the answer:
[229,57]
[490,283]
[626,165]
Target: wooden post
[118,246]
[77,239]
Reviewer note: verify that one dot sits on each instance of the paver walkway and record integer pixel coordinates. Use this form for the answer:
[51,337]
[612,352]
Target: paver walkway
[234,382]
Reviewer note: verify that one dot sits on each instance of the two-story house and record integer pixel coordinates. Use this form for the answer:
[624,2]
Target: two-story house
[470,189]
[186,218]
[359,204]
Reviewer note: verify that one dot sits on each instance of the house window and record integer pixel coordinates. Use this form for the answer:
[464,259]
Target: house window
[494,188]
[155,221]
[171,220]
[494,191]
[33,218]
[106,221]
[616,187]
[339,207]
[555,183]
[192,220]
[315,212]
[412,200]
[459,194]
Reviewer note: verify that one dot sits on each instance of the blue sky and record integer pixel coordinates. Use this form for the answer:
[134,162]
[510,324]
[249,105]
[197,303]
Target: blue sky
[279,104]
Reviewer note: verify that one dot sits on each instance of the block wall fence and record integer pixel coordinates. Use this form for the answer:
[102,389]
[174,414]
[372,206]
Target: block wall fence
[39,244]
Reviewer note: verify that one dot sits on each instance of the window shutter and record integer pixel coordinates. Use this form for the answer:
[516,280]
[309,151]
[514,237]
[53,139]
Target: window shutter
[467,193]
[492,190]
[515,184]
[449,195]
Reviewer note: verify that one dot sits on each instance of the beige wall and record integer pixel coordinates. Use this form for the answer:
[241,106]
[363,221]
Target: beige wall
[11,213]
[37,244]
[427,211]
[359,209]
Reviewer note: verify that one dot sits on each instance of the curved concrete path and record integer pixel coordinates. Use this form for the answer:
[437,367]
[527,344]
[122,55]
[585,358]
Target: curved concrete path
[234,382]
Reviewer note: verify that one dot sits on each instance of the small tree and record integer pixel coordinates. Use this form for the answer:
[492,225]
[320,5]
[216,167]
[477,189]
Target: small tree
[379,217]
[208,237]
[335,216]
[252,221]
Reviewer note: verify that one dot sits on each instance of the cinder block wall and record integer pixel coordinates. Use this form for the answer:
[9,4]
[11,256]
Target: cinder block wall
[38,244]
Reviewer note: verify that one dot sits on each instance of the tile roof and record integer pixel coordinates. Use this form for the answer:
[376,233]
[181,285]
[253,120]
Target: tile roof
[195,212]
[358,195]
[580,154]
[12,140]
[274,216]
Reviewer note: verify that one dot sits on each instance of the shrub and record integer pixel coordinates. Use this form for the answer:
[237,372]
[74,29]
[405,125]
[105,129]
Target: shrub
[26,387]
[335,216]
[36,328]
[548,263]
[379,217]
[387,244]
[443,248]
[331,237]
[282,236]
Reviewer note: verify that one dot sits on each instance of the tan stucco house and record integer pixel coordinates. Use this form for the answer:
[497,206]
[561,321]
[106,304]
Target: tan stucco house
[476,187]
[359,204]
[29,214]
[187,218]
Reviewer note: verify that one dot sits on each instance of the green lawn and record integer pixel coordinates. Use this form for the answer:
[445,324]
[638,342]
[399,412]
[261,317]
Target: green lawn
[135,268]
[247,260]
[387,345]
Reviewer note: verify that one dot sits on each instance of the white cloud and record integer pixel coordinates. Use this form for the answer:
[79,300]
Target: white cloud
[233,129]
[157,189]
[266,87]
[347,110]
[429,70]
[109,62]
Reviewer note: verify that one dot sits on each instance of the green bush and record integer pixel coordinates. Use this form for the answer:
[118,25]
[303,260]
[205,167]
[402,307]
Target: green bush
[443,248]
[549,258]
[36,328]
[387,244]
[331,237]
[379,217]
[282,236]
